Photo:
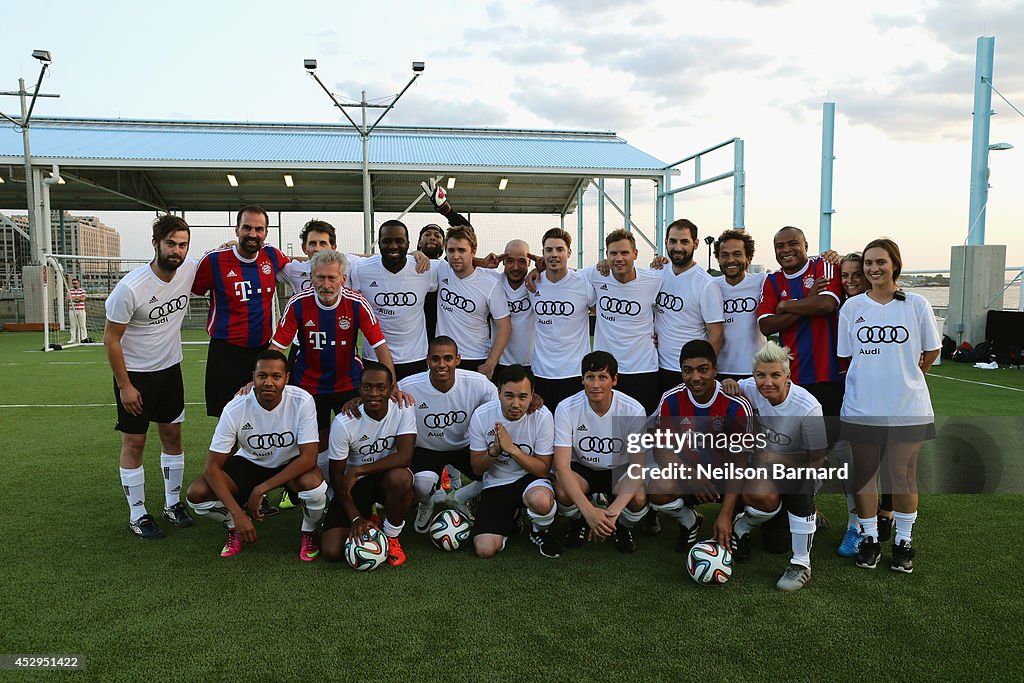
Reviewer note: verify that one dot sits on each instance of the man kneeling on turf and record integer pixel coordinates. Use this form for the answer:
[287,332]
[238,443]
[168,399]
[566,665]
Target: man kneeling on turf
[512,449]
[274,426]
[369,463]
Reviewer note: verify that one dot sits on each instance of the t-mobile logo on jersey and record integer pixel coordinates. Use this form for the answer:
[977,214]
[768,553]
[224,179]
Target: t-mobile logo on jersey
[243,289]
[317,339]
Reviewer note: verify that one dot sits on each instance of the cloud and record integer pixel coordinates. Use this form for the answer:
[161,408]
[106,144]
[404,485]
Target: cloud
[569,107]
[922,117]
[885,22]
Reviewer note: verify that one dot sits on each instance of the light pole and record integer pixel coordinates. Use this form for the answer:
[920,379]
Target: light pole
[364,131]
[23,123]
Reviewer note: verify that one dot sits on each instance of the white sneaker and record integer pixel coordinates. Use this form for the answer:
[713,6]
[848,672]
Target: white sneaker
[794,578]
[424,513]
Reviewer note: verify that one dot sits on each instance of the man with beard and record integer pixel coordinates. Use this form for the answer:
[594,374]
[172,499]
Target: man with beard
[431,243]
[143,342]
[741,291]
[519,350]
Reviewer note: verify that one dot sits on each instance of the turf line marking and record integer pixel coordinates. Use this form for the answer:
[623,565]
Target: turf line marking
[72,405]
[72,362]
[970,381]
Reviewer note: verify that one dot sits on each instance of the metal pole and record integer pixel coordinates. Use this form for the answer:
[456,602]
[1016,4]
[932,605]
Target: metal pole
[659,216]
[367,197]
[37,250]
[579,228]
[600,219]
[627,202]
[828,131]
[739,186]
[979,144]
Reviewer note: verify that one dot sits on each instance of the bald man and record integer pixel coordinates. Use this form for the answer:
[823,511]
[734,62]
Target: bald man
[519,350]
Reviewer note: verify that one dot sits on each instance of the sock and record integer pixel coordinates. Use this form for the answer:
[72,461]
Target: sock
[852,519]
[134,483]
[676,509]
[468,492]
[904,525]
[542,521]
[752,518]
[630,519]
[423,485]
[570,511]
[313,503]
[802,531]
[174,470]
[214,510]
[869,527]
[392,530]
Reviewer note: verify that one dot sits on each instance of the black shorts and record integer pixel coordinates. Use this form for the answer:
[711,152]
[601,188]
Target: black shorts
[876,435]
[247,475]
[830,396]
[598,481]
[163,399]
[497,507]
[228,369]
[642,386]
[668,379]
[426,460]
[466,364]
[403,370]
[326,404]
[554,391]
[365,492]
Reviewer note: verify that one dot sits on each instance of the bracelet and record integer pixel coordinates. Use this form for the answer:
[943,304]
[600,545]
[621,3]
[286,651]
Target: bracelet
[353,521]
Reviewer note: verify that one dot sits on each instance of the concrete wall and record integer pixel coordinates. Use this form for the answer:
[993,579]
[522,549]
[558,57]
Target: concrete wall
[976,281]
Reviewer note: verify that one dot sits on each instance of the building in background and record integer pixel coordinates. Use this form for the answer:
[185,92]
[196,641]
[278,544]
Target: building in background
[70,235]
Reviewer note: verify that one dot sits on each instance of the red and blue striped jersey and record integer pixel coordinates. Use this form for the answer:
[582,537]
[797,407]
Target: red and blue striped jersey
[327,361]
[722,414]
[812,340]
[241,294]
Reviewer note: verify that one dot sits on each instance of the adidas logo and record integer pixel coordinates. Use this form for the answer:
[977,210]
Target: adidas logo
[176,489]
[153,300]
[232,273]
[247,426]
[373,284]
[444,280]
[859,319]
[424,405]
[581,428]
[364,437]
[138,503]
[603,287]
[490,433]
[310,323]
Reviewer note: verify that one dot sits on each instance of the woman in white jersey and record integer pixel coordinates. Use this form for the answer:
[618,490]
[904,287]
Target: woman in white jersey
[891,341]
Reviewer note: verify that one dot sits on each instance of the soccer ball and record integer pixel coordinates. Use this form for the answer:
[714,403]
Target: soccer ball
[367,552]
[709,563]
[449,529]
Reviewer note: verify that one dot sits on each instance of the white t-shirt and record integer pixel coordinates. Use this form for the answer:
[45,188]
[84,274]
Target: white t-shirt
[533,433]
[884,385]
[463,305]
[625,318]
[397,301]
[442,418]
[153,310]
[563,325]
[743,337]
[364,440]
[793,426]
[598,441]
[686,303]
[524,325]
[268,438]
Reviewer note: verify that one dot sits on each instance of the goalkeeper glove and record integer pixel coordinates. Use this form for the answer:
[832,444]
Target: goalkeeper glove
[437,196]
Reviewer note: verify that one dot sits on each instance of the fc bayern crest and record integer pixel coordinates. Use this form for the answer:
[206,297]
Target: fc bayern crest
[266,268]
[717,423]
[344,323]
[808,282]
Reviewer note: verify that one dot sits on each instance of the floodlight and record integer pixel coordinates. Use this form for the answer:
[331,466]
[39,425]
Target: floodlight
[42,55]
[503,183]
[418,67]
[309,64]
[451,182]
[232,180]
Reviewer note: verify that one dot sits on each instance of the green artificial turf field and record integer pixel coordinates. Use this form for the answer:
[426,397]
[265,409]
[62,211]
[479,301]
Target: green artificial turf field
[75,581]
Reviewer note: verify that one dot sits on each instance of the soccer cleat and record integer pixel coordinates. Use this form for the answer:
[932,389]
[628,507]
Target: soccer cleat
[145,528]
[232,546]
[446,481]
[651,524]
[268,510]
[577,535]
[463,508]
[289,500]
[884,528]
[741,551]
[424,513]
[624,542]
[309,548]
[794,578]
[868,554]
[851,541]
[396,556]
[547,545]
[688,534]
[902,557]
[821,522]
[178,516]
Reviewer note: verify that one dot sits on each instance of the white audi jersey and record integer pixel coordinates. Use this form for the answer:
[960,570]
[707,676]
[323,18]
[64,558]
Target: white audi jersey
[793,426]
[625,318]
[519,349]
[884,385]
[153,310]
[442,417]
[463,307]
[363,440]
[268,438]
[598,441]
[533,433]
[687,302]
[562,312]
[397,301]
[743,337]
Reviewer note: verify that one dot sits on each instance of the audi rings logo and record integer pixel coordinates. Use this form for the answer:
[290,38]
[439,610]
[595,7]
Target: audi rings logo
[670,302]
[439,420]
[274,440]
[594,444]
[525,448]
[555,308]
[172,306]
[745,305]
[622,306]
[883,334]
[520,306]
[395,299]
[777,438]
[378,446]
[451,298]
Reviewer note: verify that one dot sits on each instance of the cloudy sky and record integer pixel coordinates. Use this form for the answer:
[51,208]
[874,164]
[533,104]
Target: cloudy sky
[671,78]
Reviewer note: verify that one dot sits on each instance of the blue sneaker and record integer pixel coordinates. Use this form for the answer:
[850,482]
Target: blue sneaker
[851,542]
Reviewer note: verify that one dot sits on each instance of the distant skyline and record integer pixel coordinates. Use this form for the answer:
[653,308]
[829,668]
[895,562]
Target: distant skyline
[670,78]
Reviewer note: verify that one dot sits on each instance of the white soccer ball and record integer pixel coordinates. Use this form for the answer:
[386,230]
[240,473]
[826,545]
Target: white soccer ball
[449,529]
[709,563]
[367,552]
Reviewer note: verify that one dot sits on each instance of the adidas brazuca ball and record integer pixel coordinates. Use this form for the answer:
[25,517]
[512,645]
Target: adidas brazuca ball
[367,552]
[709,563]
[449,530]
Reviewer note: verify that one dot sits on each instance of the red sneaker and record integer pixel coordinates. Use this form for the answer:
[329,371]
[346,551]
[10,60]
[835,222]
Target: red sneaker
[396,555]
[310,548]
[446,481]
[233,545]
